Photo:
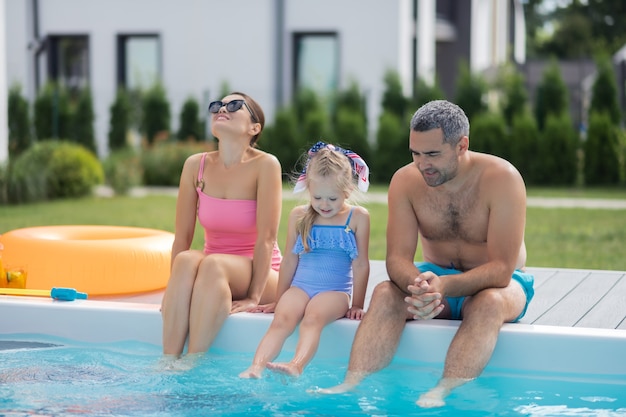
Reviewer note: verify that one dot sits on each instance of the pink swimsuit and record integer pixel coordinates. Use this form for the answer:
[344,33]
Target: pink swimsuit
[229,225]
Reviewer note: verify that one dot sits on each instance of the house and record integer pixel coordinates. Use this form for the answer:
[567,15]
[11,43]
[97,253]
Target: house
[267,48]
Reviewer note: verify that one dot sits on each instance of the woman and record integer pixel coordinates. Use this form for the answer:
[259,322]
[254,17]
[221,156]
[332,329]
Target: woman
[236,193]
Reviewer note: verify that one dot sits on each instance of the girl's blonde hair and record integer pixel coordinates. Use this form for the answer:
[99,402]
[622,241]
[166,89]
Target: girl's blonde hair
[325,163]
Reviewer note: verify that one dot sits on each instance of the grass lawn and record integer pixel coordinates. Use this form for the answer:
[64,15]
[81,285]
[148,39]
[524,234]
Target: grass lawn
[559,238]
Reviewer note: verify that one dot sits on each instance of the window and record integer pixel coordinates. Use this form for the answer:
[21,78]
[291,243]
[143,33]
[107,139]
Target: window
[68,60]
[139,60]
[316,65]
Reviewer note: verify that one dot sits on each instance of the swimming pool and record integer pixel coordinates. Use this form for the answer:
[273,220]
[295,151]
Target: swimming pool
[535,370]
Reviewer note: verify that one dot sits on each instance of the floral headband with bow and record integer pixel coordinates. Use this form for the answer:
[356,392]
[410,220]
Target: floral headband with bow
[359,167]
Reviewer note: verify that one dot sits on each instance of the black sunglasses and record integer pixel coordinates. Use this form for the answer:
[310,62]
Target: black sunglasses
[231,106]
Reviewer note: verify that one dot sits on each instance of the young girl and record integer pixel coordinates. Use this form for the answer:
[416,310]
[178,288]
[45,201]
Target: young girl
[317,277]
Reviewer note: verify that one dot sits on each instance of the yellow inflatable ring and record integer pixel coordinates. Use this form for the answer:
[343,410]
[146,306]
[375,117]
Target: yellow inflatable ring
[98,260]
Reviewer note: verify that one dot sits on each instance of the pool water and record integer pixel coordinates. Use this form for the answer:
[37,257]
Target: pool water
[64,378]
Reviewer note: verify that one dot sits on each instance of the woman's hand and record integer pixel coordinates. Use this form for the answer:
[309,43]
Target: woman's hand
[264,308]
[247,305]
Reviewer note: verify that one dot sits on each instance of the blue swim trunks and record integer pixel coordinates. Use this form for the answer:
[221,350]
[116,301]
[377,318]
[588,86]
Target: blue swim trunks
[455,303]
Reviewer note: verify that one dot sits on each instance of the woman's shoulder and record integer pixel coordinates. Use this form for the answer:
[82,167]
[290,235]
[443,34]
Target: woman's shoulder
[265,158]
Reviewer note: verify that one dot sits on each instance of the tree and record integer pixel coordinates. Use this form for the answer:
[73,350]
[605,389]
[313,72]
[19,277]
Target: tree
[190,126]
[120,120]
[83,121]
[514,94]
[602,166]
[20,137]
[393,97]
[156,113]
[424,92]
[470,91]
[551,96]
[604,92]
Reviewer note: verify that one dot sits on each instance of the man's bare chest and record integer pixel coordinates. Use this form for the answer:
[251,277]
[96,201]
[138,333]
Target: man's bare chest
[457,218]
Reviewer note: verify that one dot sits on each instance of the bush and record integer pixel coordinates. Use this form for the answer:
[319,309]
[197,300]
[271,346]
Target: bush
[53,113]
[123,170]
[423,92]
[392,147]
[551,96]
[470,91]
[393,96]
[351,133]
[488,134]
[283,141]
[83,121]
[120,121]
[163,163]
[601,165]
[53,169]
[524,139]
[558,149]
[156,113]
[20,137]
[190,125]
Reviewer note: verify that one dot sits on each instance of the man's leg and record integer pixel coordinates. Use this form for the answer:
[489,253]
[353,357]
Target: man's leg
[474,342]
[377,336]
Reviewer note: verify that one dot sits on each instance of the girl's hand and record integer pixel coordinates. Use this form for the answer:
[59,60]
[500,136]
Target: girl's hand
[355,313]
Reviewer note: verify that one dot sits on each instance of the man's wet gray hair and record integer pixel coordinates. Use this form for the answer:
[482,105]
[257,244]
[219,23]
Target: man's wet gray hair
[442,114]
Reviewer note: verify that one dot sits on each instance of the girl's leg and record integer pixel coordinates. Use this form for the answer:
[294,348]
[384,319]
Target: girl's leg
[324,308]
[289,311]
[176,301]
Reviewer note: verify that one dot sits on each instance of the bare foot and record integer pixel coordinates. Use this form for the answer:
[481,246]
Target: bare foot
[286,368]
[337,389]
[435,397]
[352,379]
[253,372]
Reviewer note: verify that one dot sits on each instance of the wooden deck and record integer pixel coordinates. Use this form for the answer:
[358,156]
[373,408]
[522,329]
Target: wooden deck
[563,297]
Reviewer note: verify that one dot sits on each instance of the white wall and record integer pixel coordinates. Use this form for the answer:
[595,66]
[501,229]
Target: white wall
[208,42]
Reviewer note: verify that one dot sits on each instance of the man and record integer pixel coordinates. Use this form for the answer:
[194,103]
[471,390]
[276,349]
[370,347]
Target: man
[469,209]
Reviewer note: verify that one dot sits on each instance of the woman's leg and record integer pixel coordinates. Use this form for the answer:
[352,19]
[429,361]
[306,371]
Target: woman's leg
[323,308]
[289,311]
[177,299]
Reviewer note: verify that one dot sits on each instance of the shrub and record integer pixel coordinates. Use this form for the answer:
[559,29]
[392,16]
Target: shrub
[316,126]
[524,140]
[53,113]
[393,97]
[282,140]
[470,91]
[20,137]
[424,92]
[601,166]
[156,113]
[163,162]
[351,133]
[488,134]
[604,91]
[123,170]
[4,183]
[83,121]
[120,120]
[551,95]
[53,169]
[392,147]
[190,126]
[514,94]
[558,149]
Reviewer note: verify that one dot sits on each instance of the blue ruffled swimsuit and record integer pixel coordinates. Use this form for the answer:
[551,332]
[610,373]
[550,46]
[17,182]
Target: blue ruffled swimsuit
[327,266]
